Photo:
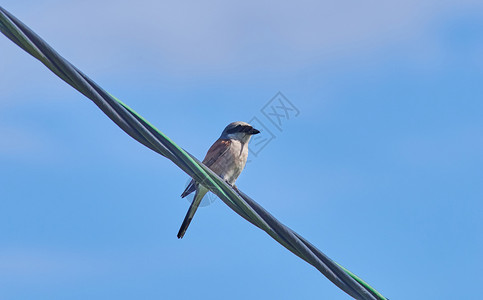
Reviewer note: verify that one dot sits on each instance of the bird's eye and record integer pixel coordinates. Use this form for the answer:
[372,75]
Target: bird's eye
[234,129]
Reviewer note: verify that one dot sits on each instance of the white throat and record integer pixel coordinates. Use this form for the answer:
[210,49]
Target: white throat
[240,136]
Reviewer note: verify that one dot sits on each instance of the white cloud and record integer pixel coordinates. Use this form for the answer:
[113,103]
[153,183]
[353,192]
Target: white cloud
[217,35]
[216,38]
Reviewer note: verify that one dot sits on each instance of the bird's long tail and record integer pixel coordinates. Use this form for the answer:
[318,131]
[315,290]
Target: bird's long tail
[200,193]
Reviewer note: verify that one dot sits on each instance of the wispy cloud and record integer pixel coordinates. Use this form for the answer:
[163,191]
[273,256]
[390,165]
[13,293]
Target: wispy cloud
[23,145]
[218,35]
[38,264]
[447,151]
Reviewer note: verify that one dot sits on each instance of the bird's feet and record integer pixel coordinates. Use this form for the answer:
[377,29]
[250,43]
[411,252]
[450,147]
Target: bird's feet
[233,186]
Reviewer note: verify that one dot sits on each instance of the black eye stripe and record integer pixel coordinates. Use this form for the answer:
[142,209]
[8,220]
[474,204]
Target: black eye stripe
[239,128]
[234,129]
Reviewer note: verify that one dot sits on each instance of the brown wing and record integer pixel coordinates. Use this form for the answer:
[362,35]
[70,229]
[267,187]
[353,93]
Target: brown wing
[219,148]
[216,150]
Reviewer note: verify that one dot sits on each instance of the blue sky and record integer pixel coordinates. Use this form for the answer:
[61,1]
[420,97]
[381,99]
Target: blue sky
[382,169]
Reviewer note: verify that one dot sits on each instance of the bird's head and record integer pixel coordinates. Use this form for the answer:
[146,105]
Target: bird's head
[240,131]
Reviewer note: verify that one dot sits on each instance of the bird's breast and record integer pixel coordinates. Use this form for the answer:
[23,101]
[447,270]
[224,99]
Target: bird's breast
[230,165]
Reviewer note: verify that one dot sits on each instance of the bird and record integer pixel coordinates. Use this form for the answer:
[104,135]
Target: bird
[227,158]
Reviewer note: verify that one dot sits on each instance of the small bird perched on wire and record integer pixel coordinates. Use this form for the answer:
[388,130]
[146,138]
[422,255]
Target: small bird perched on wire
[227,158]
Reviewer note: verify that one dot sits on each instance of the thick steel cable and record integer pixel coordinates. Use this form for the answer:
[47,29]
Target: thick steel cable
[142,131]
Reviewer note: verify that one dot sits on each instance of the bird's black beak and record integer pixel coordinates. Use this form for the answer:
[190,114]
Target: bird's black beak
[253,131]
